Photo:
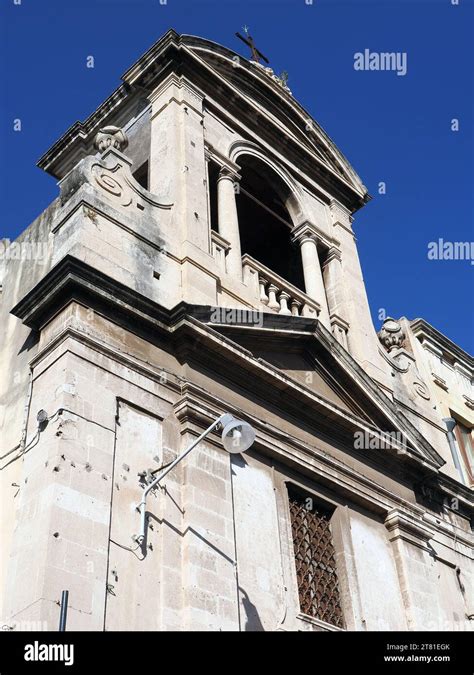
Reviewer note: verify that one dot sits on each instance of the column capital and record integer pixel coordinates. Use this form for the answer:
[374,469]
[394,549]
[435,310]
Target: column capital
[305,232]
[227,173]
[333,254]
[337,320]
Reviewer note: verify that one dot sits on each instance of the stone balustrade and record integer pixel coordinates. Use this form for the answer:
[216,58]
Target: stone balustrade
[275,292]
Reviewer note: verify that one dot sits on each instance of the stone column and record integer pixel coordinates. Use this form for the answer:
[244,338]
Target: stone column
[313,277]
[334,285]
[228,219]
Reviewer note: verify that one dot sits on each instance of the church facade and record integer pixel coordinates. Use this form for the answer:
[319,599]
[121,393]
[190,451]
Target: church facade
[200,259]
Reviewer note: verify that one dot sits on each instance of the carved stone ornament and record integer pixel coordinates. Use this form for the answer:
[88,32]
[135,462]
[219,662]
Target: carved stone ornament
[422,390]
[282,79]
[391,335]
[111,137]
[107,180]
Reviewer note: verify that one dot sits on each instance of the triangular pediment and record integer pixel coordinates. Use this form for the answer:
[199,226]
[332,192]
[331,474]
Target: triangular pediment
[261,85]
[342,398]
[254,96]
[301,365]
[304,353]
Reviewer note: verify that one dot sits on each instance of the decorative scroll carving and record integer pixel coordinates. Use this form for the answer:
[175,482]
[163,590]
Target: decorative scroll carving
[392,335]
[111,137]
[107,181]
[111,177]
[422,390]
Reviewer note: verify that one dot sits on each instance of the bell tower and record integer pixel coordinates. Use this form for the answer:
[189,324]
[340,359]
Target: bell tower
[253,201]
[199,262]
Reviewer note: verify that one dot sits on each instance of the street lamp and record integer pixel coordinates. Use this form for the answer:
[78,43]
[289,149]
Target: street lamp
[237,436]
[450,425]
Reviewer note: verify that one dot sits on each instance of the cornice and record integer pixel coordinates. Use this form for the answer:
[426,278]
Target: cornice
[196,408]
[183,327]
[426,333]
[422,453]
[185,54]
[72,280]
[412,530]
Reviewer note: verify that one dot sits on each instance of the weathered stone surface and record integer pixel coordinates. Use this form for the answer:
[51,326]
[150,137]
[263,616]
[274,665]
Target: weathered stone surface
[109,329]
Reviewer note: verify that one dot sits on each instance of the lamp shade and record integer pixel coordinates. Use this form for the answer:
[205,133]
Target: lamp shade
[450,423]
[237,436]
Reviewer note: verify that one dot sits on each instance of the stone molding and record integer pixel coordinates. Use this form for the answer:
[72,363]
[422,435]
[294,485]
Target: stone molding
[219,158]
[463,371]
[432,348]
[437,343]
[468,401]
[72,279]
[308,230]
[437,379]
[219,239]
[183,92]
[340,215]
[400,526]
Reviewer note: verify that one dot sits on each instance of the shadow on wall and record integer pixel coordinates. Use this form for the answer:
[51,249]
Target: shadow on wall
[252,619]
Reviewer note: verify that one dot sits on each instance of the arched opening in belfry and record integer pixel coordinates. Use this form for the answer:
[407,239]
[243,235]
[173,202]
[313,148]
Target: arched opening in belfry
[265,223]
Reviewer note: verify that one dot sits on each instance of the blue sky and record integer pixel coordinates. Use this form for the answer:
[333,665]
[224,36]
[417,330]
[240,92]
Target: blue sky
[395,129]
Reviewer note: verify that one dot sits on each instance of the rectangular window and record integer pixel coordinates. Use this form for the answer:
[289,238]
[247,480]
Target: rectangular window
[315,560]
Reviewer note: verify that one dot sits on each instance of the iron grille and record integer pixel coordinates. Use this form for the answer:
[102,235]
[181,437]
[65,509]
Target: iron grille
[318,585]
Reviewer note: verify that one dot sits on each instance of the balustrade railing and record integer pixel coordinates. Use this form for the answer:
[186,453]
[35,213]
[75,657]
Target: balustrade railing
[275,292]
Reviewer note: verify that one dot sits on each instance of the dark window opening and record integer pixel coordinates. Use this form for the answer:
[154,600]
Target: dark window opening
[265,223]
[213,176]
[315,559]
[141,176]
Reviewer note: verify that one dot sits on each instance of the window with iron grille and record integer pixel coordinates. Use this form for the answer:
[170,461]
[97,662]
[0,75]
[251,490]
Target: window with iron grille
[318,585]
